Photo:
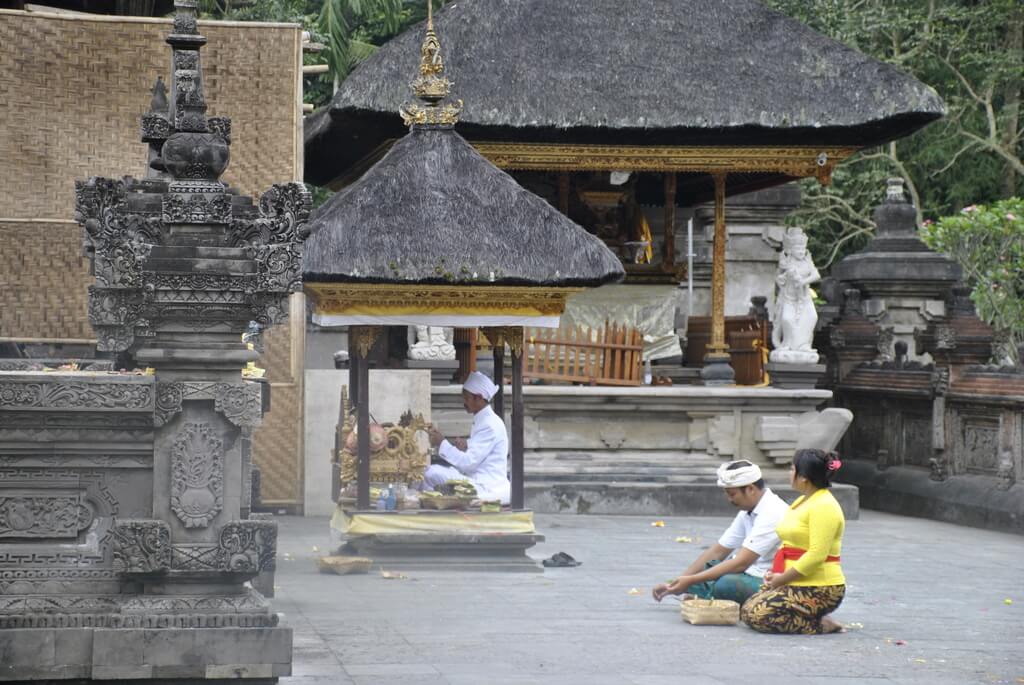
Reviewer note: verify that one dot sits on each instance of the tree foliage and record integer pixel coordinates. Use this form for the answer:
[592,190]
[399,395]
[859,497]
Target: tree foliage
[988,242]
[970,51]
[349,30]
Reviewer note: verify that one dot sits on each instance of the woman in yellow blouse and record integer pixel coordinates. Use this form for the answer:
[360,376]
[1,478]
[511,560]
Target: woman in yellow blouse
[806,582]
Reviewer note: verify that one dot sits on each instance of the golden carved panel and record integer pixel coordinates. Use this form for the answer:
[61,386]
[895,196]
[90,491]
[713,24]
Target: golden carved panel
[383,299]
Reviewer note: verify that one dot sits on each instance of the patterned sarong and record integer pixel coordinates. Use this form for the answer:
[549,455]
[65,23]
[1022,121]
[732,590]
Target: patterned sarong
[791,609]
[735,586]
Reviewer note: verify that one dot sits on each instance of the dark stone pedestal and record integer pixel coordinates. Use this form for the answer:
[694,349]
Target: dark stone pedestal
[447,551]
[795,376]
[717,370]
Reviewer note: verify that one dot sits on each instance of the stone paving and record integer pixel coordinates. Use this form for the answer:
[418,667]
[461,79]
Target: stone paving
[926,605]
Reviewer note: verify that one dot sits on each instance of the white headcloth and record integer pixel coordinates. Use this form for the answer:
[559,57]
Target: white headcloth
[479,384]
[748,474]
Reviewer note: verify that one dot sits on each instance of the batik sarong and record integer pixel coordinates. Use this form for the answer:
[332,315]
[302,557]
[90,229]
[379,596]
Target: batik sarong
[792,608]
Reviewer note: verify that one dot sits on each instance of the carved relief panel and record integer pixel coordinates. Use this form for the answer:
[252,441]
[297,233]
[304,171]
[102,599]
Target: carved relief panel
[197,475]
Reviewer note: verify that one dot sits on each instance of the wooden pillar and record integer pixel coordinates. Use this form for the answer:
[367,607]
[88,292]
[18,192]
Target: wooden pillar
[464,340]
[717,370]
[563,192]
[516,468]
[499,375]
[668,258]
[361,342]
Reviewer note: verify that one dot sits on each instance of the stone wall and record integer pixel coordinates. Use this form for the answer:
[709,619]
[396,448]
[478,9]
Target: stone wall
[74,88]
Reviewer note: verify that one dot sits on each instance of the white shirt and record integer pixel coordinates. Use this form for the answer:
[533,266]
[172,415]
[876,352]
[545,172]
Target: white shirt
[756,531]
[485,461]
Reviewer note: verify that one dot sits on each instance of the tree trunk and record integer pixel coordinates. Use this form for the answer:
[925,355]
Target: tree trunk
[1011,98]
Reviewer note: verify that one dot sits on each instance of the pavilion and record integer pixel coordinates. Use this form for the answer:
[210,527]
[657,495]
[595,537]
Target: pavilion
[434,234]
[699,99]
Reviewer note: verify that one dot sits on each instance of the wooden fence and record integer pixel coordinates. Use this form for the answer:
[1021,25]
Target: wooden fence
[610,356]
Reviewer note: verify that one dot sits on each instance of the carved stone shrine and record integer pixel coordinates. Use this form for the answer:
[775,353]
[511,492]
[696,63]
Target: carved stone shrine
[127,543]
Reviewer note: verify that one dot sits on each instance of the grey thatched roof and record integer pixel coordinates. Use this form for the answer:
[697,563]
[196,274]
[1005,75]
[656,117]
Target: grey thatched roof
[639,72]
[434,211]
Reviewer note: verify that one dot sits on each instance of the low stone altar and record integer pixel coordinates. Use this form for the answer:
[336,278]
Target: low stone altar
[124,497]
[654,449]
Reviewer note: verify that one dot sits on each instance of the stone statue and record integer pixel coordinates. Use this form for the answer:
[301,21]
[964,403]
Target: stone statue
[432,344]
[795,315]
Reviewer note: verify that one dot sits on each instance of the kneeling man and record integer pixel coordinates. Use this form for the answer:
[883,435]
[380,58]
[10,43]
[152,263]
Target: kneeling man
[751,536]
[483,458]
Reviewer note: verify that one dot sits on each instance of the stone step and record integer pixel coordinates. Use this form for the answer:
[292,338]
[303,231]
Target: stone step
[654,499]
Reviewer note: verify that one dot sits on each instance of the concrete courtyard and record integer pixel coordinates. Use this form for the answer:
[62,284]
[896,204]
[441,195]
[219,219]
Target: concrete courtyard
[927,604]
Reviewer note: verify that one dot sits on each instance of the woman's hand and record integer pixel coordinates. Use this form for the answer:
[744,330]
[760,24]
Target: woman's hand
[774,580]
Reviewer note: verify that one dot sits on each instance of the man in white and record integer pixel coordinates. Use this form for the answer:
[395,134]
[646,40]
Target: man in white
[483,458]
[750,540]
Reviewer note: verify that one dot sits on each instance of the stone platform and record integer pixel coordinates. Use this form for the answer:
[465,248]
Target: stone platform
[653,450]
[439,540]
[968,500]
[127,655]
[655,499]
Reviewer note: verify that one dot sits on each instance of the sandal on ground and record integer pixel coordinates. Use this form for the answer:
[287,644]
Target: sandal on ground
[560,560]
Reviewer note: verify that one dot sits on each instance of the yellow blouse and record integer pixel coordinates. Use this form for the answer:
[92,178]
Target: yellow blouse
[816,524]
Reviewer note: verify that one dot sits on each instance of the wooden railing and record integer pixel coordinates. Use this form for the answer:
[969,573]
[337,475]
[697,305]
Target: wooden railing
[610,356]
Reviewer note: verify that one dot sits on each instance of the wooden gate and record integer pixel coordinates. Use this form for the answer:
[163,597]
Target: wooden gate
[610,356]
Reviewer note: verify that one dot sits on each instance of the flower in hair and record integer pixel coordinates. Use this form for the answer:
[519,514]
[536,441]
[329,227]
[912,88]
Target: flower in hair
[833,464]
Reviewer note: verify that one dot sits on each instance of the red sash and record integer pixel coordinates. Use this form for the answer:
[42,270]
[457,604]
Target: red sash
[791,553]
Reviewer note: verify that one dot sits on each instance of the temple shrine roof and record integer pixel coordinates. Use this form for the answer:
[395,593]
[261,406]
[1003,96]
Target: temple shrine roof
[434,211]
[647,72]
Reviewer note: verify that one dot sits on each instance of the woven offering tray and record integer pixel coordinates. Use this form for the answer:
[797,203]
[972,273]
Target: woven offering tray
[445,502]
[710,612]
[343,565]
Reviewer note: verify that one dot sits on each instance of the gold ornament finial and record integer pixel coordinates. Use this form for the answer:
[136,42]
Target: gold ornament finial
[431,86]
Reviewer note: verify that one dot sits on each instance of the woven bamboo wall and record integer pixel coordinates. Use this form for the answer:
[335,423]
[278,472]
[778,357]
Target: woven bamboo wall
[72,88]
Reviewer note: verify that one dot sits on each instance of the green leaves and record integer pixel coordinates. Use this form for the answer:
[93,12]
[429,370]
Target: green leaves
[988,242]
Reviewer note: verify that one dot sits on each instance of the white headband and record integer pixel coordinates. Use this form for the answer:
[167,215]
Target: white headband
[479,384]
[738,477]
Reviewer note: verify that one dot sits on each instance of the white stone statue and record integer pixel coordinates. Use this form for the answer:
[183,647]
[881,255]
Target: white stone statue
[432,344]
[795,315]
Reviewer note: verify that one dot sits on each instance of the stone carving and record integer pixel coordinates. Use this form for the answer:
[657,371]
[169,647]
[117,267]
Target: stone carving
[60,393]
[939,467]
[1005,472]
[197,475]
[196,209]
[142,546]
[432,344]
[795,315]
[240,403]
[980,443]
[249,546]
[243,547]
[886,342]
[945,337]
[117,244]
[42,515]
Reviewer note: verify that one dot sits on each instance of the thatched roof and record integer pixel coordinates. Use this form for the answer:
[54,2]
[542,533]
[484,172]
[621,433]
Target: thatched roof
[672,72]
[434,211]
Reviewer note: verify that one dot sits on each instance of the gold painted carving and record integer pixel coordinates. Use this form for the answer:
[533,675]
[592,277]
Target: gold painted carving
[499,336]
[431,85]
[395,454]
[385,299]
[365,338]
[799,162]
[717,344]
